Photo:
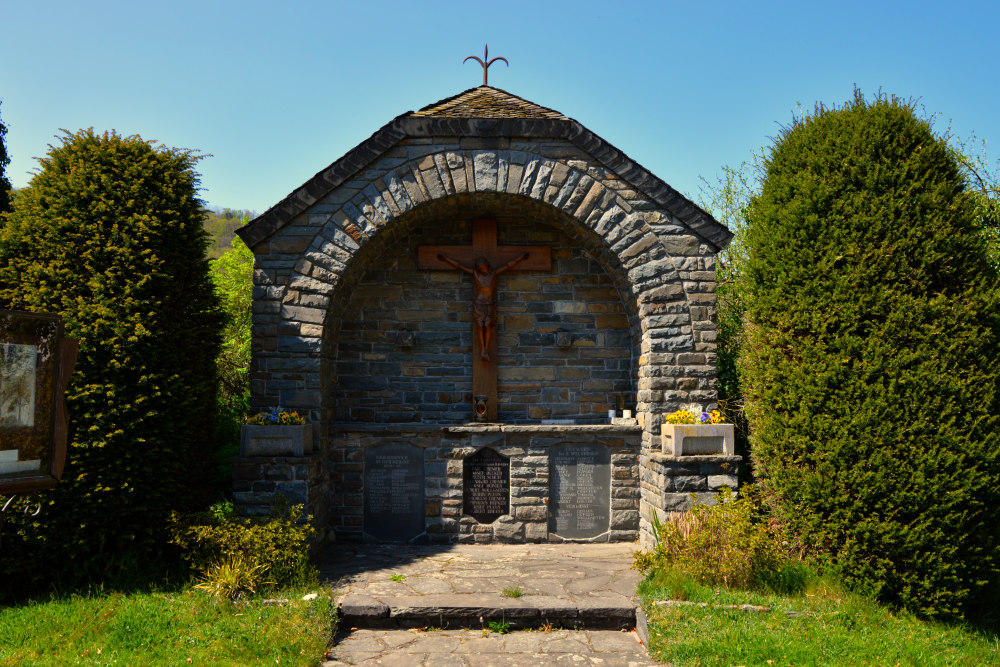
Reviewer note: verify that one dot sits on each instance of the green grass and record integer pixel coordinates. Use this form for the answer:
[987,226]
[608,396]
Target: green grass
[512,592]
[832,627]
[183,628]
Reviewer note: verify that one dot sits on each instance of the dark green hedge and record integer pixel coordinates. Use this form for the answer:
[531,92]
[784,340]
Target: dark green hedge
[109,235]
[871,358]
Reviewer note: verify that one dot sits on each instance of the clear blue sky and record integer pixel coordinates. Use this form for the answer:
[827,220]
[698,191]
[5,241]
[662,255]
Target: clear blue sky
[278,90]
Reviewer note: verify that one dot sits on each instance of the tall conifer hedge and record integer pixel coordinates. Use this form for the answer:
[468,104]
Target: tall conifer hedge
[109,235]
[872,355]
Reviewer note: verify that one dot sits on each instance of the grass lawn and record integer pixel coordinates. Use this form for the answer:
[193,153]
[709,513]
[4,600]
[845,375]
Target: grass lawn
[826,626]
[180,628]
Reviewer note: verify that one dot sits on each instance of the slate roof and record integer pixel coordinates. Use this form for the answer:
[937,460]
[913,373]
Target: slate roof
[486,102]
[484,111]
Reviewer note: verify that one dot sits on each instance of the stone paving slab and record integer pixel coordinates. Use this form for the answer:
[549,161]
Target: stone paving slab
[465,647]
[572,585]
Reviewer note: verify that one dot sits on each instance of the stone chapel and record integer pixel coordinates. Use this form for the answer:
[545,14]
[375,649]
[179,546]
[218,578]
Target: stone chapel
[456,305]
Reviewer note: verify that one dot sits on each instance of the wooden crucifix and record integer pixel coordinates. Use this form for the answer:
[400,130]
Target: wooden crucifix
[484,260]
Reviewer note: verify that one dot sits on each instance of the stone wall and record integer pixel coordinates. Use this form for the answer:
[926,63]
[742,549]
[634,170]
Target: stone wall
[444,451]
[258,481]
[676,483]
[403,352]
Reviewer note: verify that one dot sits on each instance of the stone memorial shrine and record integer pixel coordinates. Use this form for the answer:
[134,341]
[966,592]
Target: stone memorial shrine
[459,305]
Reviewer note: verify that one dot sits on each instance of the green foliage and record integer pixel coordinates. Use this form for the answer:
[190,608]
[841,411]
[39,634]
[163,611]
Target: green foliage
[232,278]
[824,624]
[726,544]
[108,234]
[221,225]
[4,181]
[167,628]
[869,355]
[233,577]
[276,545]
[983,183]
[499,627]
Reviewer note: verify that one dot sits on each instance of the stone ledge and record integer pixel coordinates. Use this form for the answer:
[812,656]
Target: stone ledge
[471,427]
[667,459]
[544,428]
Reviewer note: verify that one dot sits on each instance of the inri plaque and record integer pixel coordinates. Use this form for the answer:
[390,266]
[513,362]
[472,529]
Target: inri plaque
[394,492]
[486,485]
[580,490]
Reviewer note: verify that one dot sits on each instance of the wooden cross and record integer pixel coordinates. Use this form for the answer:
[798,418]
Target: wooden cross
[485,260]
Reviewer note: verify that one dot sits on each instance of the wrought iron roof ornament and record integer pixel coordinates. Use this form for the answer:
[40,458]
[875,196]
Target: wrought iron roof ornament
[485,61]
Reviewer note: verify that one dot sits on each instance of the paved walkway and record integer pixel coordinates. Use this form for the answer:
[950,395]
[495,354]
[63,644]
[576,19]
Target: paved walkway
[564,603]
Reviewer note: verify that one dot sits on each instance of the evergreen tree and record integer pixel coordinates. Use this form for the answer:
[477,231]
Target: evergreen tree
[870,355]
[109,235]
[4,161]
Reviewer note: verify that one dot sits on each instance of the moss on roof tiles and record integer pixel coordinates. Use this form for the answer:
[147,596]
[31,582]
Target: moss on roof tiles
[486,102]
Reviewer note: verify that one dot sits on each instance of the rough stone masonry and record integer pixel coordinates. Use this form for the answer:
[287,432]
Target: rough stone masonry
[348,330]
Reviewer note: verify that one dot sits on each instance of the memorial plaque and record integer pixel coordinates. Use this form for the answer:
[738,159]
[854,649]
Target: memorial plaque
[486,485]
[579,490]
[394,492]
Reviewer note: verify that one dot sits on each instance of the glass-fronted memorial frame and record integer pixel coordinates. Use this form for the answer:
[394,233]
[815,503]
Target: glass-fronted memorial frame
[36,362]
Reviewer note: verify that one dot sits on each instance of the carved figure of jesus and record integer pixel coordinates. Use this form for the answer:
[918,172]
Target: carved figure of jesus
[484,305]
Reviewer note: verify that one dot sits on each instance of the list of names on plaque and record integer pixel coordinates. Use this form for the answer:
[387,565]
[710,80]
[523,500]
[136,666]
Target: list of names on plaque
[486,485]
[580,490]
[394,492]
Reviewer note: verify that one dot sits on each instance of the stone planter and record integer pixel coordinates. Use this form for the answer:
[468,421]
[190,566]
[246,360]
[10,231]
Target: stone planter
[698,439]
[274,440]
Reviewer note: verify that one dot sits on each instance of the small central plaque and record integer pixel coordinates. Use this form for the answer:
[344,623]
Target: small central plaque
[580,491]
[394,492]
[486,485]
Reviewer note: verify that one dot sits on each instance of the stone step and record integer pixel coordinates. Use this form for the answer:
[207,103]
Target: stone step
[478,610]
[8,455]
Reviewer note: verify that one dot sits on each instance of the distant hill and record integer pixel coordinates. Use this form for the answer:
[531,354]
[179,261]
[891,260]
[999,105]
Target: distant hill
[221,224]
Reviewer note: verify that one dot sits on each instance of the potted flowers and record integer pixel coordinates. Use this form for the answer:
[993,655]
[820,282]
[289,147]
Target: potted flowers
[276,432]
[685,434]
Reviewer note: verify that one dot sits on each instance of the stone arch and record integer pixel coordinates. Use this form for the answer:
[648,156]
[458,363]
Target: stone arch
[648,262]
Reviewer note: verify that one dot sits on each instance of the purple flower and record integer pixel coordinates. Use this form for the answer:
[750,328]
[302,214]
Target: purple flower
[705,418]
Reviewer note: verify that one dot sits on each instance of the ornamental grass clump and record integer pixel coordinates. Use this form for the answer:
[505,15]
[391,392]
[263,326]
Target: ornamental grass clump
[727,544]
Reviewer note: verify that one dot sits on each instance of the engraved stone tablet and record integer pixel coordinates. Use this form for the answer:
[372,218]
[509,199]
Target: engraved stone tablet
[580,490]
[486,485]
[394,492]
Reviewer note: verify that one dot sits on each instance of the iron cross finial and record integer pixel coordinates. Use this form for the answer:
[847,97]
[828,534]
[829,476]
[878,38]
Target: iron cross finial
[485,61]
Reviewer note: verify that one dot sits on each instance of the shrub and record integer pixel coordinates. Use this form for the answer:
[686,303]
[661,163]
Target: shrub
[275,547]
[869,356]
[232,578]
[108,234]
[726,544]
